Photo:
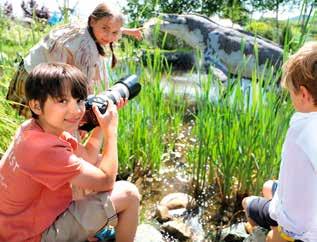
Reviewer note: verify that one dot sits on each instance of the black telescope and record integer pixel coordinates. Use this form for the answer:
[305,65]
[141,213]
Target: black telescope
[127,87]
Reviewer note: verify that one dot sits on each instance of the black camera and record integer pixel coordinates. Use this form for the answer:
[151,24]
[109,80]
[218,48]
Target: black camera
[127,87]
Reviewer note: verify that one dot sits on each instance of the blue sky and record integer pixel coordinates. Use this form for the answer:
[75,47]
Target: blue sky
[85,7]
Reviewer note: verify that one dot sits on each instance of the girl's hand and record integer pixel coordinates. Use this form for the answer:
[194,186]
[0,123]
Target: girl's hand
[122,102]
[134,32]
[137,33]
[109,120]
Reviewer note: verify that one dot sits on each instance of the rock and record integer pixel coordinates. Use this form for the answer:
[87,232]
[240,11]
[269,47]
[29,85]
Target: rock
[258,235]
[177,229]
[175,213]
[178,200]
[194,222]
[162,214]
[183,223]
[148,233]
[175,155]
[238,233]
[235,232]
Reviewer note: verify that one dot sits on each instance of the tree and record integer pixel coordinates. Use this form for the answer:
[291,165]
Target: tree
[142,10]
[210,7]
[235,10]
[139,11]
[8,9]
[271,5]
[31,9]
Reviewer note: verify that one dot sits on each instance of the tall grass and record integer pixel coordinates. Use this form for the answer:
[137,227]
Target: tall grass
[147,121]
[239,136]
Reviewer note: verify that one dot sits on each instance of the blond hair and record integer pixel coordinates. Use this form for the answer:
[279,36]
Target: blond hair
[301,70]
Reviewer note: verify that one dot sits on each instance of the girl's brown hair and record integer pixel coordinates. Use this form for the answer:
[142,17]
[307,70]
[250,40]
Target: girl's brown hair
[301,70]
[103,10]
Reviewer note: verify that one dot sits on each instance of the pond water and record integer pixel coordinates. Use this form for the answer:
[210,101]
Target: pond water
[190,85]
[207,219]
[211,215]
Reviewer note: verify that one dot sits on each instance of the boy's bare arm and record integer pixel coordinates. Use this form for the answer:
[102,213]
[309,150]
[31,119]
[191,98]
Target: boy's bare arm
[90,151]
[102,178]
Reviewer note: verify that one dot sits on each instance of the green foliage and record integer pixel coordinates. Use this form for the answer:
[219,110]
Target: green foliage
[239,137]
[268,4]
[287,37]
[235,10]
[210,7]
[289,33]
[16,39]
[308,15]
[9,122]
[312,28]
[179,6]
[261,28]
[139,11]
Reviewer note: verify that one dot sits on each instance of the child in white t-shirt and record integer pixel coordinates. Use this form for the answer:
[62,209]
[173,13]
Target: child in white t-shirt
[291,213]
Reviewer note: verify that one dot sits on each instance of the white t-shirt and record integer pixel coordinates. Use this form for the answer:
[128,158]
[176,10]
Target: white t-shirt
[294,205]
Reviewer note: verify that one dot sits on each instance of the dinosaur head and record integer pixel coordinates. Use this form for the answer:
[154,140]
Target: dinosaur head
[172,22]
[193,29]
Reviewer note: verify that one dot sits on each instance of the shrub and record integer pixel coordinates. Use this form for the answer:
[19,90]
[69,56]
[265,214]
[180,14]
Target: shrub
[261,28]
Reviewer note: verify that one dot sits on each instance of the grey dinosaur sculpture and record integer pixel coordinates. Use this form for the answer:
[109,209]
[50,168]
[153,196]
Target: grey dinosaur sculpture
[227,49]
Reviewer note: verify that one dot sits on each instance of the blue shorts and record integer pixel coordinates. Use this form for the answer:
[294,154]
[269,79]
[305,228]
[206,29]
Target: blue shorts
[258,211]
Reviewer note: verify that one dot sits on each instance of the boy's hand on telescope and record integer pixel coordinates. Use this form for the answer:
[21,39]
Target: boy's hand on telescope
[122,102]
[109,120]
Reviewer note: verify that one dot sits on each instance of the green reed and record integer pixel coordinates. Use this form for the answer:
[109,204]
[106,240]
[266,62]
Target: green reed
[239,134]
[147,121]
[9,122]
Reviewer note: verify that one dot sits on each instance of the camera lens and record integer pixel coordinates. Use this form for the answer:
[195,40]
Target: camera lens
[127,87]
[116,92]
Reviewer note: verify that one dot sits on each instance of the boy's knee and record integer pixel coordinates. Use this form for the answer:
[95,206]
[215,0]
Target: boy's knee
[269,236]
[274,236]
[246,201]
[267,189]
[130,191]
